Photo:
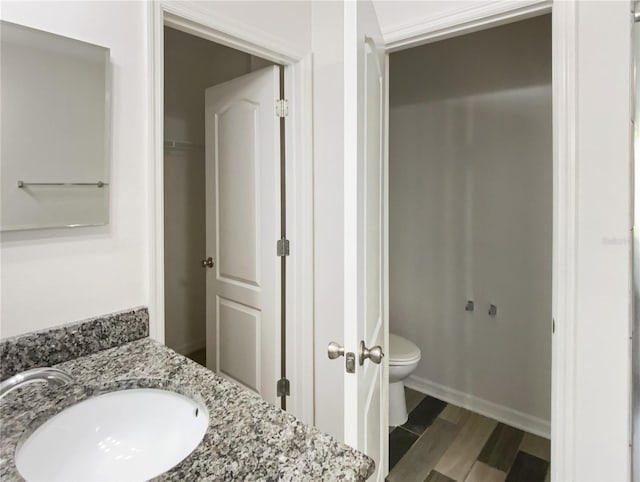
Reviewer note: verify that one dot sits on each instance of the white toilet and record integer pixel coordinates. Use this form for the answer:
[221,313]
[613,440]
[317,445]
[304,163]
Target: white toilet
[404,356]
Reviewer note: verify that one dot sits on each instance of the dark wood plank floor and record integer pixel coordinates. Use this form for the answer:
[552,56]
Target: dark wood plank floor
[444,443]
[199,356]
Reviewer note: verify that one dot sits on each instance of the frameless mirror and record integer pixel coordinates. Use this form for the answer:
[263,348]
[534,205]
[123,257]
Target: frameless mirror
[54,122]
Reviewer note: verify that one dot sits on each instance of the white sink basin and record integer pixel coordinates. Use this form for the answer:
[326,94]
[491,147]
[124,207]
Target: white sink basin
[124,435]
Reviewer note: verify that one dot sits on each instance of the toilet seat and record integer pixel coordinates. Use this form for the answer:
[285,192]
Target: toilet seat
[402,351]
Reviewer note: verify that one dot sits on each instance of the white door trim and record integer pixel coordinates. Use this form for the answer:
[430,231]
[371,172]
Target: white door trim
[469,19]
[191,18]
[564,51]
[385,248]
[565,224]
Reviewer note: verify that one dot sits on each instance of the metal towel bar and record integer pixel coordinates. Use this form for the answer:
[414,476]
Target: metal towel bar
[22,184]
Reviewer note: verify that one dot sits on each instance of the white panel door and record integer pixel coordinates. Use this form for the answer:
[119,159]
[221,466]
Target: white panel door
[243,224]
[366,313]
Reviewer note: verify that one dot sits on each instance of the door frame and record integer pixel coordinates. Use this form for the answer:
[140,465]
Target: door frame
[193,19]
[482,16]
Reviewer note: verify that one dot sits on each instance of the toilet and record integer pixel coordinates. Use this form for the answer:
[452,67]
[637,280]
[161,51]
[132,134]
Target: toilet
[404,356]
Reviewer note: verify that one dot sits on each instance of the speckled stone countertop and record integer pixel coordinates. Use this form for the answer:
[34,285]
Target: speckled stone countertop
[247,439]
[62,343]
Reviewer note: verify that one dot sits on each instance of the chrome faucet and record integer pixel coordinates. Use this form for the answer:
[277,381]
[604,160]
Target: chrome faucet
[54,376]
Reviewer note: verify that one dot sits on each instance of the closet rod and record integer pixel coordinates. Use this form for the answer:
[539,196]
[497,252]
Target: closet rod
[181,145]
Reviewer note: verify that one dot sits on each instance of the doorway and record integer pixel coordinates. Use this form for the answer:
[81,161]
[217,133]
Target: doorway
[222,205]
[470,253]
[297,64]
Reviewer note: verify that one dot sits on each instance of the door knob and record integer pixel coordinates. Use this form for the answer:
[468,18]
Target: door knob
[207,263]
[374,354]
[334,350]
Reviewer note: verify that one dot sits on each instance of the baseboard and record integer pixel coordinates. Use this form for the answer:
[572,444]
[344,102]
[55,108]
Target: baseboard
[189,347]
[509,416]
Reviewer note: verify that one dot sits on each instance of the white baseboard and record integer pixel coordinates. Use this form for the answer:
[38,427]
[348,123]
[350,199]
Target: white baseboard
[509,416]
[189,347]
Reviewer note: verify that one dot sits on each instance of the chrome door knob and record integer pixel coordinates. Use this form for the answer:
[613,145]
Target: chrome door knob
[207,263]
[374,354]
[334,350]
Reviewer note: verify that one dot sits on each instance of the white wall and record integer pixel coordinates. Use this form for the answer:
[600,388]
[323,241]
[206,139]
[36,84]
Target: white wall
[603,154]
[471,203]
[57,276]
[191,65]
[328,152]
[51,277]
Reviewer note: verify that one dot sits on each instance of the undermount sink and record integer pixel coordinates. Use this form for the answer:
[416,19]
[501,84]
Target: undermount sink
[134,434]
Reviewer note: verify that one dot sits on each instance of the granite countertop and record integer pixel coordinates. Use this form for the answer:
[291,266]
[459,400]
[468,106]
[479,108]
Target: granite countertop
[247,438]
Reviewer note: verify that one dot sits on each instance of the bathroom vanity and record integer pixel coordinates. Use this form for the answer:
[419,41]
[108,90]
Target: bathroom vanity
[246,438]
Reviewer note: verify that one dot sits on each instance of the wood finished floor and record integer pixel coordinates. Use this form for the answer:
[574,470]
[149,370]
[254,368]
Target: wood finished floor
[444,443]
[199,356]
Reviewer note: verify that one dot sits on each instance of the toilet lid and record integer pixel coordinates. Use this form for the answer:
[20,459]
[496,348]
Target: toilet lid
[402,351]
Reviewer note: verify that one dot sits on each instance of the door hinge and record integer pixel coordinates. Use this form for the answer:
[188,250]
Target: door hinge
[282,247]
[282,388]
[282,108]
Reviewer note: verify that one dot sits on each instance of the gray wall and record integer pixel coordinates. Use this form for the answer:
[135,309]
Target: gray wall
[191,65]
[471,211]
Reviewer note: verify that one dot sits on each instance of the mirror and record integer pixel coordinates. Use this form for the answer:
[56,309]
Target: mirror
[54,152]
